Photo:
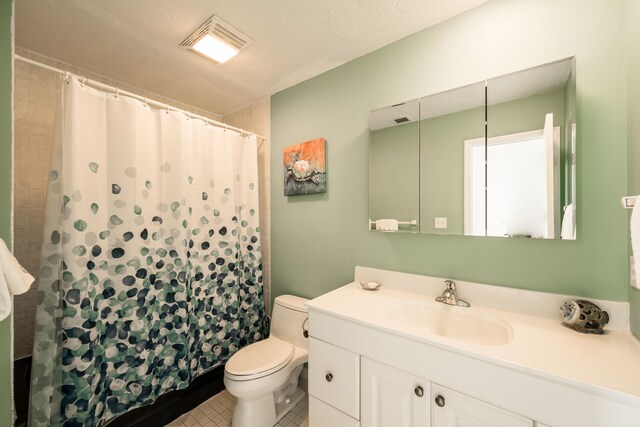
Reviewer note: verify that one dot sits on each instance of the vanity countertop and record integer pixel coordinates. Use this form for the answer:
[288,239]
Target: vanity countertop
[540,345]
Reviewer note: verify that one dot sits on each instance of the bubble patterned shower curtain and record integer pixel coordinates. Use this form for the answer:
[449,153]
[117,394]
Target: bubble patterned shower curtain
[151,269]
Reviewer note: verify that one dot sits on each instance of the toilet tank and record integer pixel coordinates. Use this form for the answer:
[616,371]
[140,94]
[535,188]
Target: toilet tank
[289,314]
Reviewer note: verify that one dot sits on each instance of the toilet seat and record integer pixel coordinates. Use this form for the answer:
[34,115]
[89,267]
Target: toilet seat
[259,359]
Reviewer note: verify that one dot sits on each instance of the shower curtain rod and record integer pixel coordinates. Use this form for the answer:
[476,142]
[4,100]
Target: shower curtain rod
[147,101]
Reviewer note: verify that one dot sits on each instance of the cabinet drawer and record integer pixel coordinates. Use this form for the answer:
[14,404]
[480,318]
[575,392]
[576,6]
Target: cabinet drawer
[323,415]
[334,376]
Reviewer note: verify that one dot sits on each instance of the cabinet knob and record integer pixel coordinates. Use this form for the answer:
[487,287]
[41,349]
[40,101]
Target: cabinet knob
[440,400]
[328,377]
[419,391]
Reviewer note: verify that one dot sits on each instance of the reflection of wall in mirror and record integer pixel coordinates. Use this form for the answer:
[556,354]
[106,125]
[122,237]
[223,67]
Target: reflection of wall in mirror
[393,184]
[442,167]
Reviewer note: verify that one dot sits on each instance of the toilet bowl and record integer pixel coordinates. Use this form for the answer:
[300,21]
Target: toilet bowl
[264,375]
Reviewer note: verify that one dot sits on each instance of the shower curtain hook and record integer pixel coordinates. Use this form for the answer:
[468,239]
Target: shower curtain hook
[83,81]
[167,108]
[117,93]
[145,101]
[67,75]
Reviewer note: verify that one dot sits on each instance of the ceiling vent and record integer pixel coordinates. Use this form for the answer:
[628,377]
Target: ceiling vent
[216,40]
[403,119]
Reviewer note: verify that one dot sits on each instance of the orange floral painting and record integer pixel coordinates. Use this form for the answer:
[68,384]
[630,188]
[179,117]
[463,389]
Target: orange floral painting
[304,168]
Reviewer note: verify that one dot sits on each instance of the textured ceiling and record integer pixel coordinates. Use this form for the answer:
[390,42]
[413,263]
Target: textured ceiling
[137,41]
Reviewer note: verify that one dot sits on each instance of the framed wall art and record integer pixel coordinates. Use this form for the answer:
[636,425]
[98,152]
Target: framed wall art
[304,168]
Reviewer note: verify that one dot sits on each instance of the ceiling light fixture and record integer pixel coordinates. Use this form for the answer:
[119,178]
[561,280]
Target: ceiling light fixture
[216,40]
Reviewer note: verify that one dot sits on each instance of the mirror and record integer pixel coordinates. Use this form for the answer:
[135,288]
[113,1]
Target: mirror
[447,119]
[394,168]
[496,158]
[531,116]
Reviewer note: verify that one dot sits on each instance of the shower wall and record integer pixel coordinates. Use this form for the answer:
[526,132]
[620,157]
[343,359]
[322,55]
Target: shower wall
[257,118]
[35,99]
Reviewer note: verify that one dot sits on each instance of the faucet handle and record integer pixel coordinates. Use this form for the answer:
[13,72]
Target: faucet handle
[451,285]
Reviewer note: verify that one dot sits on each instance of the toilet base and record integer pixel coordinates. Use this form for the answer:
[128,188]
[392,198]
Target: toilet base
[262,412]
[283,408]
[258,412]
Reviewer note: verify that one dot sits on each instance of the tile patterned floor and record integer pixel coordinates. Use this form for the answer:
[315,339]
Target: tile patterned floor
[218,410]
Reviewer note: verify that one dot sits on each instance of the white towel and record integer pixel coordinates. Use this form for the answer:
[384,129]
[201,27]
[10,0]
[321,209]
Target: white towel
[17,278]
[5,297]
[387,225]
[635,240]
[568,231]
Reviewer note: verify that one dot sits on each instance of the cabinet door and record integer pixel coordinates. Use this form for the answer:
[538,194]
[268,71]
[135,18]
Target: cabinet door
[393,398]
[323,415]
[453,409]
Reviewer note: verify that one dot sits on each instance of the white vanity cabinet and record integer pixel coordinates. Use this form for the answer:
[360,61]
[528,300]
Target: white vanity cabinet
[348,390]
[364,377]
[370,369]
[324,415]
[334,385]
[452,409]
[391,397]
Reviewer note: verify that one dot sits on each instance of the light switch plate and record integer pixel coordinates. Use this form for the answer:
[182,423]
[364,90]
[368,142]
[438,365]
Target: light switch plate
[440,222]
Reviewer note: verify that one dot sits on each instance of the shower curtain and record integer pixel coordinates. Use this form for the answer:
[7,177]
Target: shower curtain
[151,267]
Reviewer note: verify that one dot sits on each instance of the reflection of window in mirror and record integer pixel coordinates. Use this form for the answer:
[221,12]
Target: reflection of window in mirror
[521,180]
[543,99]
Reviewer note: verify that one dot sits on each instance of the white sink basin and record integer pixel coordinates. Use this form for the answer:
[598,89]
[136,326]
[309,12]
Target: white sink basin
[450,321]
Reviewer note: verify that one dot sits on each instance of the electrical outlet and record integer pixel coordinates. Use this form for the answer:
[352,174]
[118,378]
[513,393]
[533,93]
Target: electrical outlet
[440,222]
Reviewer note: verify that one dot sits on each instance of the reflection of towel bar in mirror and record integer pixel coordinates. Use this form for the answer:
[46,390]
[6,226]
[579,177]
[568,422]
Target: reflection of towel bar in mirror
[413,222]
[628,202]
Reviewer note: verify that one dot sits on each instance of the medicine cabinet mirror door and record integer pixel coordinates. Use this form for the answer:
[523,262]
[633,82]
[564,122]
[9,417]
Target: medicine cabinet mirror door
[530,153]
[447,120]
[394,166]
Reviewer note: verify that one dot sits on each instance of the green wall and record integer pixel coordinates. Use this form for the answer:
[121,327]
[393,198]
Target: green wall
[6,61]
[317,240]
[633,128]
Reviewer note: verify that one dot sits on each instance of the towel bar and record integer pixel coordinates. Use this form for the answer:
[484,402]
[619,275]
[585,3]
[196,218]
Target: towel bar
[412,222]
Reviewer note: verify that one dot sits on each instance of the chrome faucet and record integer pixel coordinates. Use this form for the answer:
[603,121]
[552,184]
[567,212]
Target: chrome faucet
[449,295]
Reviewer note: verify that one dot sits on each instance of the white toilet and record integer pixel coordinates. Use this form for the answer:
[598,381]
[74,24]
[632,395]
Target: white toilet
[264,375]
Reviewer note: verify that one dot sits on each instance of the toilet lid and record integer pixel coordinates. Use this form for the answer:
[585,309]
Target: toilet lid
[267,355]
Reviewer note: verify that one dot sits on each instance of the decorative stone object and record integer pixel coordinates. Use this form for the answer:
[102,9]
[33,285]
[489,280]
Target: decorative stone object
[584,316]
